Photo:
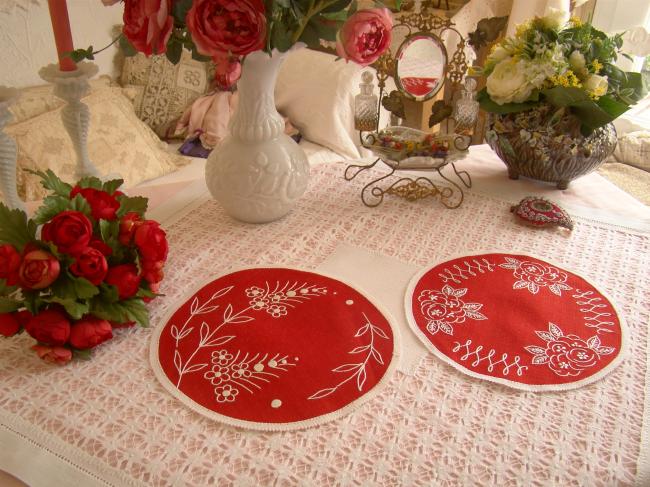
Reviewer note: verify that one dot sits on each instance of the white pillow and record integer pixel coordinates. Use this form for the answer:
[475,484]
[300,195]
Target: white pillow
[317,93]
[634,149]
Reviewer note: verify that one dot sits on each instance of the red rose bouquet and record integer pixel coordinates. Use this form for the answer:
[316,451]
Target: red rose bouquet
[96,263]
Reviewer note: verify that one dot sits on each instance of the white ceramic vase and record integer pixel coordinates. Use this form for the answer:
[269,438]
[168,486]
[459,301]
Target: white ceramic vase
[257,173]
[8,152]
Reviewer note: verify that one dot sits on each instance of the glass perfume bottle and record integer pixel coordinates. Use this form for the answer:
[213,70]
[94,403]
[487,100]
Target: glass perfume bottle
[466,108]
[366,105]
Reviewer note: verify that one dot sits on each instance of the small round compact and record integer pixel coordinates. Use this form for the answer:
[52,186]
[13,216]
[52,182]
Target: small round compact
[541,212]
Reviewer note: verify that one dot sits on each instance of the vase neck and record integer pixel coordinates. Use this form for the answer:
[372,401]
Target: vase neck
[256,118]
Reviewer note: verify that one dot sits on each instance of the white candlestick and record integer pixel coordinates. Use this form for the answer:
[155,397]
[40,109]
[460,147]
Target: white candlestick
[71,86]
[8,152]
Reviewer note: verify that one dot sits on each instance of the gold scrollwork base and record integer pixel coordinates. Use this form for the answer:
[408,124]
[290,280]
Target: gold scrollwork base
[448,191]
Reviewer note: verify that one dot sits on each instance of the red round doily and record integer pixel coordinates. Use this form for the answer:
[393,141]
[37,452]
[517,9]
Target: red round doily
[274,348]
[516,320]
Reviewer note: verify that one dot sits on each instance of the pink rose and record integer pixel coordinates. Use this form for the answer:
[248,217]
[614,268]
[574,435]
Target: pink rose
[228,70]
[219,26]
[365,36]
[53,355]
[148,25]
[89,332]
[38,270]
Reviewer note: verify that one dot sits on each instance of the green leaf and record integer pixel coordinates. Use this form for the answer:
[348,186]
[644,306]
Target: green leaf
[197,56]
[74,288]
[146,293]
[635,82]
[32,301]
[174,51]
[74,308]
[180,9]
[15,228]
[109,293]
[90,182]
[81,354]
[138,204]
[113,185]
[51,206]
[52,182]
[84,289]
[591,114]
[110,232]
[122,311]
[6,290]
[79,203]
[126,47]
[8,305]
[336,6]
[490,106]
[280,37]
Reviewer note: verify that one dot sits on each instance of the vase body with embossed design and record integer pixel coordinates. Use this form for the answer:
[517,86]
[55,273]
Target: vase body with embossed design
[257,173]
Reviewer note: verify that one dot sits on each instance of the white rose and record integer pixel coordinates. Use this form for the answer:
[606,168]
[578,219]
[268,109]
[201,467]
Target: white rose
[555,18]
[577,61]
[596,84]
[499,54]
[508,82]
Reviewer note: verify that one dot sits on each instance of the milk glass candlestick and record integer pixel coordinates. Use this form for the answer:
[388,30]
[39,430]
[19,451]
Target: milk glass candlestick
[8,152]
[71,86]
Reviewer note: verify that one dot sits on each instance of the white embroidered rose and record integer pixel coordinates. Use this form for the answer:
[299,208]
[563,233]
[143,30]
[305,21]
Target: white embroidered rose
[509,82]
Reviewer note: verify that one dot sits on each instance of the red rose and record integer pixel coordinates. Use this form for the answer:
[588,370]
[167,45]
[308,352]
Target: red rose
[365,35]
[91,264]
[9,324]
[128,224]
[218,26]
[102,205]
[90,332]
[125,277]
[148,25]
[50,327]
[38,270]
[98,244]
[23,316]
[154,287]
[53,355]
[153,271]
[70,231]
[9,263]
[127,324]
[151,241]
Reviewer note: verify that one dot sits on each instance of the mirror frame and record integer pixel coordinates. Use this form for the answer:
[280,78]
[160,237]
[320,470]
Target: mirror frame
[398,57]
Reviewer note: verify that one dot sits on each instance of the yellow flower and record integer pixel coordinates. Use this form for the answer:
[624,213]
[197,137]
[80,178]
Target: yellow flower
[522,28]
[568,79]
[576,21]
[596,66]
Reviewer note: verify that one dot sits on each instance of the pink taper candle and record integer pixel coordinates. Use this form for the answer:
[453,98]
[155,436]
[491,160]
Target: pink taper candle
[62,34]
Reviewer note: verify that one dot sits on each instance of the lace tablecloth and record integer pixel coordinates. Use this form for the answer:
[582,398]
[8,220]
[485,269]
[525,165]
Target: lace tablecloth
[110,421]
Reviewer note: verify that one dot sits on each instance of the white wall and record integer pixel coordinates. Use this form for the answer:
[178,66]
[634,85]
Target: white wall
[27,42]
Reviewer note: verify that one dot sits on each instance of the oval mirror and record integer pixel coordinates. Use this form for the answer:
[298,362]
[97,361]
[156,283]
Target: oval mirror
[421,66]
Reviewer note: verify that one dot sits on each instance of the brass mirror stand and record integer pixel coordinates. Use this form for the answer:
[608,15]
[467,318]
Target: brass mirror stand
[448,189]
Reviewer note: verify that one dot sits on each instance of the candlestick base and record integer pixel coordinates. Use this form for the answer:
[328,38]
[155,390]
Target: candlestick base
[8,152]
[71,86]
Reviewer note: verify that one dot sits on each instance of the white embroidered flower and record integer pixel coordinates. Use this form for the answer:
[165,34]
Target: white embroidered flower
[226,393]
[259,303]
[218,375]
[443,309]
[221,357]
[240,370]
[276,310]
[254,291]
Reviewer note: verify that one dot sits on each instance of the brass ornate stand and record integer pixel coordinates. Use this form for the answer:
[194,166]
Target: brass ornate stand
[411,188]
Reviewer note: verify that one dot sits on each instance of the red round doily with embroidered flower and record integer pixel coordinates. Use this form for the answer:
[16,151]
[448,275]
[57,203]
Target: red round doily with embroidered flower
[516,320]
[274,348]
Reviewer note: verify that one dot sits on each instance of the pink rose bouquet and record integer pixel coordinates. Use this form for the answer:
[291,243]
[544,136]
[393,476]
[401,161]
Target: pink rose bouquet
[96,263]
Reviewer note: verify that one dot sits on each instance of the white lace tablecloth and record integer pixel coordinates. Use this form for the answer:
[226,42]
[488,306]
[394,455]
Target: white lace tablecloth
[109,422]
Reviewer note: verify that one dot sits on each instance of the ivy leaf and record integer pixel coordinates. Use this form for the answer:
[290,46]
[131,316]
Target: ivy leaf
[51,181]
[113,185]
[137,204]
[9,305]
[122,311]
[15,228]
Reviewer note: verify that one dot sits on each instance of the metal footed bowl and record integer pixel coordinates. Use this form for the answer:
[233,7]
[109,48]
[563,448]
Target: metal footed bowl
[542,145]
